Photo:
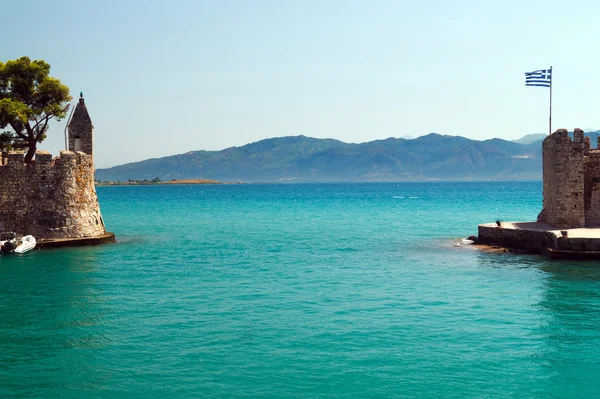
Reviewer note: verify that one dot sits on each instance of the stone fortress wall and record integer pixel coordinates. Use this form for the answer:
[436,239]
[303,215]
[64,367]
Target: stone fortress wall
[50,198]
[571,181]
[569,224]
[53,198]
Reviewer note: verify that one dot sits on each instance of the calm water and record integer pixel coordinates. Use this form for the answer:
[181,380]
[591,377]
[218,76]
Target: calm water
[345,290]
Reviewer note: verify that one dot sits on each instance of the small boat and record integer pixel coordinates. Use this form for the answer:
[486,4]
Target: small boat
[27,244]
[467,241]
[8,242]
[11,243]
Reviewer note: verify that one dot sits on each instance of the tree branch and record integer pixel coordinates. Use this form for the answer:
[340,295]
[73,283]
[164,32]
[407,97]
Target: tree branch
[47,118]
[18,132]
[30,134]
[42,120]
[40,132]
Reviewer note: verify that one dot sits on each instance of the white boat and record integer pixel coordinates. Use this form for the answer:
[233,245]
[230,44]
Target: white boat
[467,241]
[8,242]
[27,244]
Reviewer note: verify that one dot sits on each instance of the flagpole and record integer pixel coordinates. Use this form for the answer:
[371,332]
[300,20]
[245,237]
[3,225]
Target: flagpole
[550,118]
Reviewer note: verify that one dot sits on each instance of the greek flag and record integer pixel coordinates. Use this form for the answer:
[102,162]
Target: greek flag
[542,77]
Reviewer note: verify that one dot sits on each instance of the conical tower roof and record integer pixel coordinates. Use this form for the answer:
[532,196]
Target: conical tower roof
[80,116]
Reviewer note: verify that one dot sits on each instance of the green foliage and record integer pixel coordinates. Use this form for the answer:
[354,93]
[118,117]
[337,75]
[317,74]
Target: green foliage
[129,182]
[6,139]
[29,99]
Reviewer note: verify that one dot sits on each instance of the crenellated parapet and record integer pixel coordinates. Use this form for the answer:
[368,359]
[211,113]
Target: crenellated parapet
[43,160]
[49,197]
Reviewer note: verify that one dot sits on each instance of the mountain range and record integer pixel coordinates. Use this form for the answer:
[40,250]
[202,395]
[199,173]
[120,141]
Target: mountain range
[306,159]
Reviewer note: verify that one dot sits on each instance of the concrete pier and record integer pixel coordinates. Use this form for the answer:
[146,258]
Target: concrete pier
[542,238]
[44,243]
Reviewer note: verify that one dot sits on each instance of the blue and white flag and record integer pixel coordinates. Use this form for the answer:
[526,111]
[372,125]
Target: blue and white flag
[542,77]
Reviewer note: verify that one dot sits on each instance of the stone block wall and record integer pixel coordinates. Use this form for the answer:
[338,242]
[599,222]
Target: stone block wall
[592,188]
[50,198]
[563,165]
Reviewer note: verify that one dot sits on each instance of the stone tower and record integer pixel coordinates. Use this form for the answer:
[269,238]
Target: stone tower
[81,130]
[563,171]
[54,197]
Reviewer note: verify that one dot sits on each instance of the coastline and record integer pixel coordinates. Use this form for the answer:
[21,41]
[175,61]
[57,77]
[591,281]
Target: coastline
[163,183]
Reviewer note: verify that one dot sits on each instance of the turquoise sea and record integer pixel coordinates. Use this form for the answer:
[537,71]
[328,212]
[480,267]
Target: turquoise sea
[300,291]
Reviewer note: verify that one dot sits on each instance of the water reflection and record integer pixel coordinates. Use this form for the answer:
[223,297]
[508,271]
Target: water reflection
[570,302]
[561,300]
[508,259]
[51,312]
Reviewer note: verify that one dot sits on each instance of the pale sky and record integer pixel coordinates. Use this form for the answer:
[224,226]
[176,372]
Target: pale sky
[163,78]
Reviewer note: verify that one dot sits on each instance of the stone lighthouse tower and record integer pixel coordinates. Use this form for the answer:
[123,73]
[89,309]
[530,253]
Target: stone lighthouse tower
[81,130]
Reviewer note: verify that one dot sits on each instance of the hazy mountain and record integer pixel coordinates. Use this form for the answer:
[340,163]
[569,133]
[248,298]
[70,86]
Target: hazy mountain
[531,138]
[301,158]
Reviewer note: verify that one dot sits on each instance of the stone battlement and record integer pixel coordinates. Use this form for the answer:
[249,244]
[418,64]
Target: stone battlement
[43,160]
[50,198]
[53,198]
[571,181]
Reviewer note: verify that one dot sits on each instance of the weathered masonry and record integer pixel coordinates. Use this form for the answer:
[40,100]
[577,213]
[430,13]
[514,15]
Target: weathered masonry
[571,181]
[53,197]
[569,224]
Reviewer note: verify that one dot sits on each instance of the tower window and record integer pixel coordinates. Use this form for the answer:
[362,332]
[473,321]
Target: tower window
[77,144]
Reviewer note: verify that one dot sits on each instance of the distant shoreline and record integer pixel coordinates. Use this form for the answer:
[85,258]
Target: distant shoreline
[161,183]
